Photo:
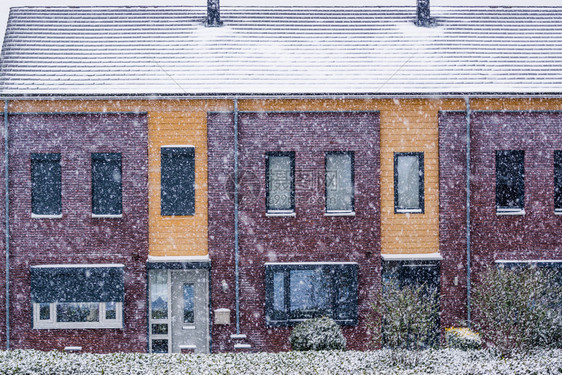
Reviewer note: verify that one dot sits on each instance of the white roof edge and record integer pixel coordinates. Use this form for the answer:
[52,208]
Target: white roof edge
[429,256]
[529,261]
[186,258]
[304,263]
[112,265]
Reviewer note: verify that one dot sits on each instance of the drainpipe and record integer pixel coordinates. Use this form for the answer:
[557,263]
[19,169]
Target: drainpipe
[468,255]
[236,245]
[7,211]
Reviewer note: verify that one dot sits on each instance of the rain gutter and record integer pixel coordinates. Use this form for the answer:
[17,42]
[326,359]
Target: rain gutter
[257,96]
[468,252]
[236,234]
[7,218]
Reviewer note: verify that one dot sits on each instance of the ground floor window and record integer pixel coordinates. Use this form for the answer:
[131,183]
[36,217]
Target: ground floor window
[300,291]
[417,280]
[77,296]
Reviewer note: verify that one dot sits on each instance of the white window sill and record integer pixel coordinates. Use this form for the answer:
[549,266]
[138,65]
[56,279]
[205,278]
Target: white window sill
[36,216]
[510,211]
[92,325]
[97,216]
[280,214]
[558,211]
[339,213]
[408,211]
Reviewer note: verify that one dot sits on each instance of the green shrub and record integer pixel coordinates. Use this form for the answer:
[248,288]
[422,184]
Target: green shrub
[317,334]
[462,338]
[519,309]
[405,317]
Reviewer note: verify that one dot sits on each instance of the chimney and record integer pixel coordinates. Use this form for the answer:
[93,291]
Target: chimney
[423,18]
[213,13]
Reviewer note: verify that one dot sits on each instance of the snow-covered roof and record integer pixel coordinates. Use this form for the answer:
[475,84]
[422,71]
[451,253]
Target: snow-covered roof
[281,50]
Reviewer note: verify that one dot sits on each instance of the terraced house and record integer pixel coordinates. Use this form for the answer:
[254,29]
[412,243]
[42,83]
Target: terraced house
[200,179]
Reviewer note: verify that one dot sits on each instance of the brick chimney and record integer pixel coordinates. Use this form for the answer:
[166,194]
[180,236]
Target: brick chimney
[423,14]
[213,13]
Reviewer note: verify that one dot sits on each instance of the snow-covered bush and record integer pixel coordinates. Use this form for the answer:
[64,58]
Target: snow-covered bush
[519,309]
[427,362]
[317,334]
[462,338]
[405,317]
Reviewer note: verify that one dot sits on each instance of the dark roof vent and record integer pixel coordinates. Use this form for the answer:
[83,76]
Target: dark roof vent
[213,13]
[423,18]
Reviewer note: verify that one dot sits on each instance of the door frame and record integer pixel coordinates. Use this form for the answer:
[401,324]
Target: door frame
[171,264]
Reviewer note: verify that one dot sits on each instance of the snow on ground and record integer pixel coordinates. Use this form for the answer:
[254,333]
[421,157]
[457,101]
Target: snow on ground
[375,362]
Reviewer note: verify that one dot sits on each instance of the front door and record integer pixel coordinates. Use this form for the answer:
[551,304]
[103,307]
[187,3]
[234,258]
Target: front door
[190,314]
[179,323]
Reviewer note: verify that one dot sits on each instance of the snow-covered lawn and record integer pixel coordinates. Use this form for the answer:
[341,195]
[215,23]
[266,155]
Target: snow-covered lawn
[350,362]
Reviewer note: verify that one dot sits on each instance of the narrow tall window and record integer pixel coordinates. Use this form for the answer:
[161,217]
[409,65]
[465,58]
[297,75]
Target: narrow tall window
[408,182]
[558,182]
[106,184]
[177,181]
[46,184]
[339,182]
[280,185]
[510,181]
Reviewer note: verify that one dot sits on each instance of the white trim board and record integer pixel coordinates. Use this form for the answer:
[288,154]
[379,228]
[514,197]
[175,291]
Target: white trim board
[429,256]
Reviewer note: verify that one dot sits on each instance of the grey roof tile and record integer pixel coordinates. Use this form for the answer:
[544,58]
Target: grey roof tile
[281,50]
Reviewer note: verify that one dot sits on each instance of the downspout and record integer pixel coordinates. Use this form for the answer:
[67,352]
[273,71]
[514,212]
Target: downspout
[7,212]
[468,255]
[236,245]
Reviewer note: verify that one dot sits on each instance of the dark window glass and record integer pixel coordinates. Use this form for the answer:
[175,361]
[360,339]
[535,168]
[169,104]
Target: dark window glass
[510,179]
[297,292]
[177,181]
[339,181]
[160,346]
[408,182]
[110,310]
[46,184]
[188,304]
[106,184]
[44,311]
[280,186]
[558,180]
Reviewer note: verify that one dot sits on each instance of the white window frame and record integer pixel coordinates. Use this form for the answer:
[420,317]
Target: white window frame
[51,323]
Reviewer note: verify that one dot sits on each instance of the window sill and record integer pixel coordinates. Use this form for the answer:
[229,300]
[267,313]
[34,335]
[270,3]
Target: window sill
[36,216]
[408,211]
[510,211]
[281,214]
[98,216]
[93,325]
[558,211]
[339,213]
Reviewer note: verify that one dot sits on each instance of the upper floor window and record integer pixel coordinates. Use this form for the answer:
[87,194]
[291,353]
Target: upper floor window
[106,184]
[46,184]
[510,181]
[408,182]
[177,180]
[558,182]
[339,182]
[280,182]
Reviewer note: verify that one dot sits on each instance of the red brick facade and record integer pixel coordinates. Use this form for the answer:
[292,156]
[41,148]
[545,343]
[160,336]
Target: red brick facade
[310,236]
[77,238]
[535,235]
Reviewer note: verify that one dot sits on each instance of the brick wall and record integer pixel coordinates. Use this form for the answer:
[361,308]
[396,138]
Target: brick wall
[310,236]
[452,216]
[535,235]
[77,237]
